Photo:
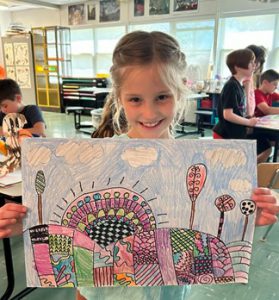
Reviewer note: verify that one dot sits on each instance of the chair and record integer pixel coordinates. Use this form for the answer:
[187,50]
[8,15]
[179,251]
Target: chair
[268,176]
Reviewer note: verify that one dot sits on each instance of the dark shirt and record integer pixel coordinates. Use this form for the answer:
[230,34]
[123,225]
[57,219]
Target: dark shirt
[32,115]
[232,97]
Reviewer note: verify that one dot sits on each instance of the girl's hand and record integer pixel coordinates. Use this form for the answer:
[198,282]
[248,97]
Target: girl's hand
[11,215]
[267,206]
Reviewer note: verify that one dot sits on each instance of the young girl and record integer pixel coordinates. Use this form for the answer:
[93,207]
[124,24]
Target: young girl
[148,83]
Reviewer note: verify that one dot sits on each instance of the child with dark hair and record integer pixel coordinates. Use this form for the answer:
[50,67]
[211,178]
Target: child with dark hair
[266,94]
[11,102]
[232,105]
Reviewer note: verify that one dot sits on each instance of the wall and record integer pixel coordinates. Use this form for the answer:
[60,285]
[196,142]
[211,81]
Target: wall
[37,17]
[5,20]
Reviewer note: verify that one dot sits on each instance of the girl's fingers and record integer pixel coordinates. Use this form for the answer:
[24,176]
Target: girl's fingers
[6,222]
[5,233]
[266,218]
[11,215]
[14,207]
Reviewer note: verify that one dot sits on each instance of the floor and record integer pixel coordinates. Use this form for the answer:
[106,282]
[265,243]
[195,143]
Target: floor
[264,274]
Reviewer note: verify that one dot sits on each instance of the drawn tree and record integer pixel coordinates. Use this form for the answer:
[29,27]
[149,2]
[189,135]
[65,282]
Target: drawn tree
[224,203]
[40,184]
[195,180]
[247,208]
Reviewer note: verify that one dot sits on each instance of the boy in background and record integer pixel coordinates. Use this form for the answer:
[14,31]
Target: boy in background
[11,102]
[232,107]
[266,94]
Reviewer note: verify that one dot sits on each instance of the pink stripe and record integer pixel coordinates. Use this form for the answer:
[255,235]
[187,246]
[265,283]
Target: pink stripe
[42,260]
[164,253]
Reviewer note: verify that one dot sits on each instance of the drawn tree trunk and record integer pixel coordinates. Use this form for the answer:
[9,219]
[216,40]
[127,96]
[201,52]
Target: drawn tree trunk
[195,179]
[247,208]
[40,184]
[224,203]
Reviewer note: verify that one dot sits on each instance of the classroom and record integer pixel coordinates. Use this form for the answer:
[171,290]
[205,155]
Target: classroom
[60,54]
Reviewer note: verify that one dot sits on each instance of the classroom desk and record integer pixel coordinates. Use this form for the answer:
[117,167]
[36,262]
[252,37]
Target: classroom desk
[13,193]
[183,132]
[270,125]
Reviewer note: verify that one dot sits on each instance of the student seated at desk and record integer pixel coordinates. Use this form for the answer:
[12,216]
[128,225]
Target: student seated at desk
[266,94]
[231,107]
[11,102]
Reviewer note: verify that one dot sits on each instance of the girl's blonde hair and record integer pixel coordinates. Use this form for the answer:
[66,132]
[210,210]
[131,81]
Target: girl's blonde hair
[140,48]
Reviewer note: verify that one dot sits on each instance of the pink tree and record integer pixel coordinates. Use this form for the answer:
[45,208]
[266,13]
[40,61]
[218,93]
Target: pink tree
[195,179]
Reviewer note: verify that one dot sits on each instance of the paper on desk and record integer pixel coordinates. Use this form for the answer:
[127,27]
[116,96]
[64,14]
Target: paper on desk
[11,178]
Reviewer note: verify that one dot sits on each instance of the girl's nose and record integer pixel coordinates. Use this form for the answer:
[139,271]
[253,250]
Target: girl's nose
[149,110]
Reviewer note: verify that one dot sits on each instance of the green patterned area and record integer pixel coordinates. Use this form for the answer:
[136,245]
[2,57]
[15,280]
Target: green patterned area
[60,244]
[84,266]
[182,240]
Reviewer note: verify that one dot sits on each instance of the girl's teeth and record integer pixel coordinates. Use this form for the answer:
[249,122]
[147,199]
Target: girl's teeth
[150,124]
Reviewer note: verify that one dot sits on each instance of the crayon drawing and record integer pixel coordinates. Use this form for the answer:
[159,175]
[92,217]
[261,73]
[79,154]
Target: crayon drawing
[115,212]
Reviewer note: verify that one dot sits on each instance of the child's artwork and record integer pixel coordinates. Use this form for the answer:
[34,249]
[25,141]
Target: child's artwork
[269,121]
[119,212]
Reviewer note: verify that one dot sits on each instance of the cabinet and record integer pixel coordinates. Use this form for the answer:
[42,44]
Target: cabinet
[52,59]
[88,93]
[207,107]
[18,59]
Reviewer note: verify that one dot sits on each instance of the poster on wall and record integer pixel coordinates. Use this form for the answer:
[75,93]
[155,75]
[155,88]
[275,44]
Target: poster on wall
[11,73]
[9,54]
[138,8]
[91,12]
[109,10]
[185,5]
[76,14]
[21,54]
[103,212]
[159,7]
[23,76]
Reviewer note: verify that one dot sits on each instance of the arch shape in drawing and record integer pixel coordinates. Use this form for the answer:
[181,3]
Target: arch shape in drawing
[109,238]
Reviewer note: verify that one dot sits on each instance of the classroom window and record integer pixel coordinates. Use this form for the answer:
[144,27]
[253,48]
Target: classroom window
[105,40]
[239,32]
[82,49]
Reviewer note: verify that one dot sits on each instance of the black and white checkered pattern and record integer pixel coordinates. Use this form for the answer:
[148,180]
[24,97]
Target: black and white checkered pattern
[107,231]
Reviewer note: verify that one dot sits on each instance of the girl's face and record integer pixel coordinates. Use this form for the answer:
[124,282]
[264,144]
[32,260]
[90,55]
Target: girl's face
[148,103]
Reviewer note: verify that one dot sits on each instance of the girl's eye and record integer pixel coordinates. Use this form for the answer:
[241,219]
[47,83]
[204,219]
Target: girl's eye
[134,100]
[163,97]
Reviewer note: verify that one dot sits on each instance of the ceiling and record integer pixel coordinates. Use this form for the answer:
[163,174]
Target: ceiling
[16,5]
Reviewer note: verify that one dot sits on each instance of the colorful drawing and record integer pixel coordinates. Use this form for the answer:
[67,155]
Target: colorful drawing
[109,212]
[10,147]
[269,121]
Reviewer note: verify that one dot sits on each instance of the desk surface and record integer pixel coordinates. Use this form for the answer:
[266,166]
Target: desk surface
[270,122]
[94,90]
[14,190]
[196,96]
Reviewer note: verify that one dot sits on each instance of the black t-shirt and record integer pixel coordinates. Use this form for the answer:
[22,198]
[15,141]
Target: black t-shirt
[32,115]
[232,96]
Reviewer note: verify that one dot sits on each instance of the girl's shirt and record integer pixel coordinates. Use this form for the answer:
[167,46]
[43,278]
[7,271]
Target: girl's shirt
[136,293]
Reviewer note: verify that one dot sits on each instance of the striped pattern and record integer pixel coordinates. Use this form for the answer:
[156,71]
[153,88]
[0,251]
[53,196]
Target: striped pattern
[148,275]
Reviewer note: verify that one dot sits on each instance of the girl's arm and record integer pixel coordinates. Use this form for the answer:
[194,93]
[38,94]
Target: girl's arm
[11,215]
[230,116]
[267,206]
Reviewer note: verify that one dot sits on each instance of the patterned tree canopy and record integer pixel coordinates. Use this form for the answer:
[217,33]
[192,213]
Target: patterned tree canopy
[195,180]
[225,203]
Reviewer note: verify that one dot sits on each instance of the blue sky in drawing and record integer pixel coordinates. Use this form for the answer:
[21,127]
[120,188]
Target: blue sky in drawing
[156,169]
